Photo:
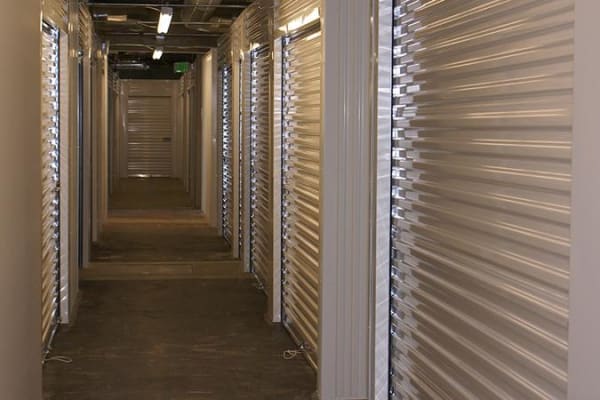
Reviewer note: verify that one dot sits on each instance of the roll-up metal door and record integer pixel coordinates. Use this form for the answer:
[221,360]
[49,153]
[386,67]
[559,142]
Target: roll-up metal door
[261,217]
[149,136]
[50,136]
[227,152]
[301,140]
[481,199]
[85,29]
[56,12]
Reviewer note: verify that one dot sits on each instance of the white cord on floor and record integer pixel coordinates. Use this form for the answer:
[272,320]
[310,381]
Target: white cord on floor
[61,359]
[291,354]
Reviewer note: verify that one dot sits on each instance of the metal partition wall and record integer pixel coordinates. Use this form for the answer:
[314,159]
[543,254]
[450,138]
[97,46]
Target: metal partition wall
[261,220]
[481,199]
[50,183]
[227,152]
[301,132]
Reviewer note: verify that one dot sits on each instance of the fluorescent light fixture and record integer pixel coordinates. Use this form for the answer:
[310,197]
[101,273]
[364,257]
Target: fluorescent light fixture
[116,18]
[158,52]
[164,22]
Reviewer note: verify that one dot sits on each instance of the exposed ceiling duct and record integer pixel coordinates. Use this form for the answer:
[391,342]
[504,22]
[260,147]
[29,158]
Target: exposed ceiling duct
[202,11]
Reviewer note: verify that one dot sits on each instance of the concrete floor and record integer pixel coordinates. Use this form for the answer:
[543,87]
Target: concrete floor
[149,194]
[166,314]
[175,340]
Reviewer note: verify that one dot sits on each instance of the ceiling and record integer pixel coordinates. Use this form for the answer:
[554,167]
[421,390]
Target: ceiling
[195,28]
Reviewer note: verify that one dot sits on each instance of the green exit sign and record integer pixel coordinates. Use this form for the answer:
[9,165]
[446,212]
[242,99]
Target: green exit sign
[182,67]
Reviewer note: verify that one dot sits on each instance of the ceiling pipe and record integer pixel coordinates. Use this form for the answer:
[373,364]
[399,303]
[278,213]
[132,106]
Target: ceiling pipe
[133,5]
[203,12]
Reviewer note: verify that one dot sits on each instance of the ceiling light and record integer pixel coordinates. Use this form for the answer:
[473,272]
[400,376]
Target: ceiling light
[116,18]
[158,52]
[166,15]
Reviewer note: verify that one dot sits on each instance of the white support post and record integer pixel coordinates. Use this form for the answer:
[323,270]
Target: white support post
[382,193]
[348,142]
[584,296]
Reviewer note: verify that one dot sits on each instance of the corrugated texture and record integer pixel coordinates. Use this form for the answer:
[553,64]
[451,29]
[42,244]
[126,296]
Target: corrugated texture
[55,11]
[227,152]
[481,195]
[258,19]
[85,29]
[50,183]
[301,187]
[224,50]
[289,10]
[149,136]
[261,182]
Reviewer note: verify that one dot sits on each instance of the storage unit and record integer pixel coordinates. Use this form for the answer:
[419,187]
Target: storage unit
[301,132]
[225,116]
[482,98]
[50,149]
[261,204]
[150,129]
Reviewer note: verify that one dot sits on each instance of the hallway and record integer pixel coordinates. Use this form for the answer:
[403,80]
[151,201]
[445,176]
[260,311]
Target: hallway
[167,313]
[300,200]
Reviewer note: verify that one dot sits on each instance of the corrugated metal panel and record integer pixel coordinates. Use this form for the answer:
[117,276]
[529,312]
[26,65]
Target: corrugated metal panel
[227,152]
[50,183]
[56,12]
[85,29]
[481,199]
[261,190]
[224,50]
[290,10]
[301,187]
[149,136]
[258,19]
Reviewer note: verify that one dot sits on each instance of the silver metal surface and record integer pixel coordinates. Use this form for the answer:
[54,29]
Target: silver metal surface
[150,137]
[290,10]
[226,151]
[482,111]
[381,311]
[261,182]
[85,30]
[50,137]
[301,126]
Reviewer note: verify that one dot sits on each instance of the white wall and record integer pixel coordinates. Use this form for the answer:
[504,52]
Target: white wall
[584,296]
[20,202]
[209,142]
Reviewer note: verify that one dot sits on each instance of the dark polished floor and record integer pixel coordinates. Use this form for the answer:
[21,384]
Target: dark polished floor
[175,340]
[140,240]
[149,194]
[167,314]
[151,220]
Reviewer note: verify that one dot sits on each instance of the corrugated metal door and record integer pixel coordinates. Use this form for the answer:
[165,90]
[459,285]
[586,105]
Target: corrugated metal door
[301,186]
[149,136]
[85,29]
[50,183]
[261,220]
[481,193]
[227,152]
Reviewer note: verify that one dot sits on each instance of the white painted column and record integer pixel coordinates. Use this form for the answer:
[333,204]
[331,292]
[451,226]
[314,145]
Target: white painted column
[584,297]
[348,140]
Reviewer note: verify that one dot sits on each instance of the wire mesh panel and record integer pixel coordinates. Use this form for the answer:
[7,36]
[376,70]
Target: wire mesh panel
[227,152]
[261,220]
[50,183]
[301,138]
[482,98]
